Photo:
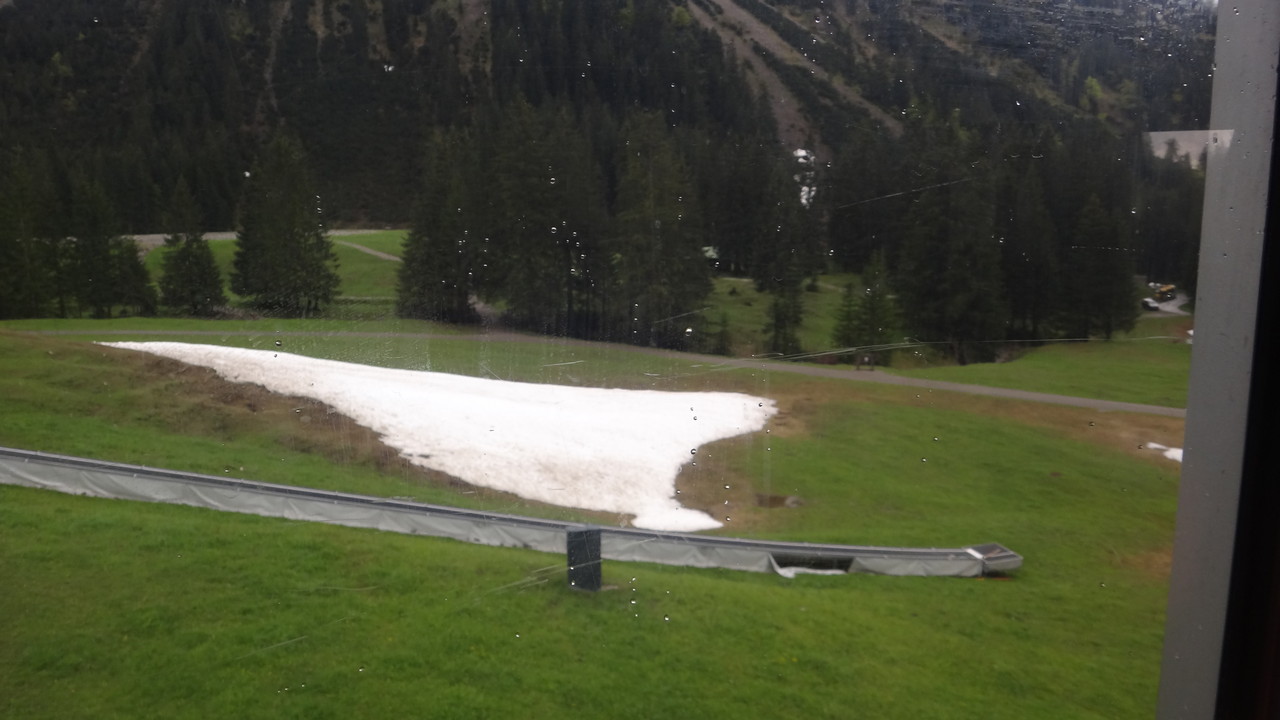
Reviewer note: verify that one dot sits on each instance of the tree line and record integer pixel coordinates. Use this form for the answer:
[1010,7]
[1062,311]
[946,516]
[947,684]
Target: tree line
[586,168]
[66,256]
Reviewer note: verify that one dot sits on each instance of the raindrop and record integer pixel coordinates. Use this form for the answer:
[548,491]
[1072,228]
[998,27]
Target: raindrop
[1092,423]
[726,487]
[278,343]
[694,451]
[553,229]
[553,181]
[361,669]
[924,459]
[666,618]
[935,439]
[517,636]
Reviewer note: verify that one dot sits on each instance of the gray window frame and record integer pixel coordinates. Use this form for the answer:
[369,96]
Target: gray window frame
[1204,618]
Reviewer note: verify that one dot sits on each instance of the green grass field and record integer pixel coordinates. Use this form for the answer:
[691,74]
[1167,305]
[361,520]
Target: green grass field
[217,614]
[1148,365]
[121,609]
[363,275]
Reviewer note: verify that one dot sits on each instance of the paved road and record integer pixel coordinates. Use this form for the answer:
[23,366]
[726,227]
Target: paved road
[836,373]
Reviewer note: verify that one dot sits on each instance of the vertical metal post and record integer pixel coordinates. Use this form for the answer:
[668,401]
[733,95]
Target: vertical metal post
[583,549]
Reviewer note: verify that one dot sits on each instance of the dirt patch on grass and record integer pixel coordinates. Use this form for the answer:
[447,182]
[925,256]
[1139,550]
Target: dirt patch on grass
[1155,564]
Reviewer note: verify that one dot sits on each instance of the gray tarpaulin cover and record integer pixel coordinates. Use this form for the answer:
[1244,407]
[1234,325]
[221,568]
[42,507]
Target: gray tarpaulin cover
[79,476]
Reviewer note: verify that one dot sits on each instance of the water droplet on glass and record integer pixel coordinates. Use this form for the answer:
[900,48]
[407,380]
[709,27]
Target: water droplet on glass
[694,451]
[666,618]
[726,487]
[924,459]
[278,343]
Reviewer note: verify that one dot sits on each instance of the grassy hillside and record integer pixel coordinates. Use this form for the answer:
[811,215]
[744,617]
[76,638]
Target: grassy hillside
[209,614]
[213,614]
[1148,365]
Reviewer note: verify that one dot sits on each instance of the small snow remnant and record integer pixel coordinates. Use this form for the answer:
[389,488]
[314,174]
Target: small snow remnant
[1171,453]
[592,448]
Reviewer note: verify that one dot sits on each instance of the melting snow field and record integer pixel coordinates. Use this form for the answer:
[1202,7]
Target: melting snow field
[592,448]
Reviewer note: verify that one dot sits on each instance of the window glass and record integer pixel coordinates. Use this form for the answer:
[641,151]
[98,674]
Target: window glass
[910,275]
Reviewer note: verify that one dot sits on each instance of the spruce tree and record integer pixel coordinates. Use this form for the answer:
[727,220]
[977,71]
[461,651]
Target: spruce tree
[867,317]
[1099,277]
[662,275]
[1031,273]
[25,278]
[284,259]
[435,281]
[190,281]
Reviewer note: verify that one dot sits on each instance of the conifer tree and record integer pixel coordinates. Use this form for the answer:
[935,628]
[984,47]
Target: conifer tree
[25,277]
[284,259]
[867,316]
[190,280]
[1031,275]
[1099,277]
[662,275]
[436,279]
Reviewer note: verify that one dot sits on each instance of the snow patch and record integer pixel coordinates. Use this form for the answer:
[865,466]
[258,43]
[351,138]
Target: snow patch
[592,448]
[1171,453]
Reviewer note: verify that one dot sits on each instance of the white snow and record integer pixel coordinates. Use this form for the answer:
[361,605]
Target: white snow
[593,448]
[1171,453]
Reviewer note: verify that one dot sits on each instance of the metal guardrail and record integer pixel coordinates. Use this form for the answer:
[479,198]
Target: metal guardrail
[84,476]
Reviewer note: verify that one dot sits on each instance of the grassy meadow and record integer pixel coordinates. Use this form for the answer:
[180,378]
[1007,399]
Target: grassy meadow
[217,614]
[132,610]
[1147,365]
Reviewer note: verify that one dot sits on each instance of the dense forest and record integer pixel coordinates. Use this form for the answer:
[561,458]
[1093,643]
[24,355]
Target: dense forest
[591,166]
